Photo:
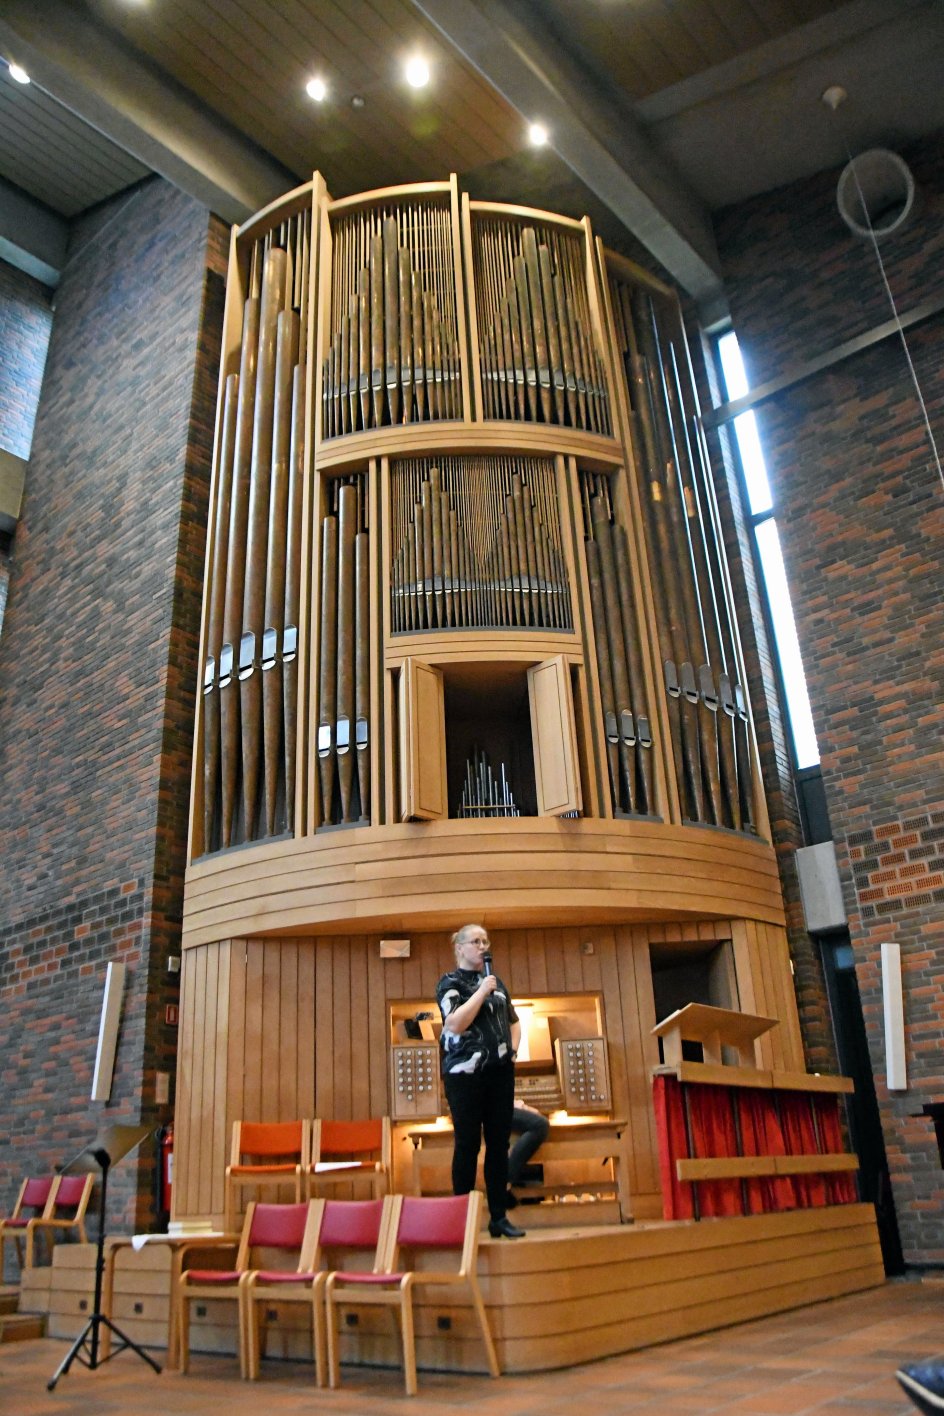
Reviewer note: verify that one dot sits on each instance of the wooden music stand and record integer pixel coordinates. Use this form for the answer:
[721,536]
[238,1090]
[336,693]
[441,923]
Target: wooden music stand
[110,1146]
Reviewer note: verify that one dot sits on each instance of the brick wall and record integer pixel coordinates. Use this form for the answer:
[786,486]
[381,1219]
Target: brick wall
[861,516]
[97,674]
[25,323]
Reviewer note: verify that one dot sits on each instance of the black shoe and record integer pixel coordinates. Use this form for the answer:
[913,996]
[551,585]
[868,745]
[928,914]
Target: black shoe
[511,1200]
[504,1229]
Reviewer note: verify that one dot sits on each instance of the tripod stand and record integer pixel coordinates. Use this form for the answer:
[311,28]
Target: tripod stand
[110,1146]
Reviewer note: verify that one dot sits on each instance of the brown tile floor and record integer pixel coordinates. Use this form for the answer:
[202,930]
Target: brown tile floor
[832,1359]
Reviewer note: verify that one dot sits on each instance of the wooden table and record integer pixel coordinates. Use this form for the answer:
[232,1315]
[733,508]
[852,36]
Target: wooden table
[180,1246]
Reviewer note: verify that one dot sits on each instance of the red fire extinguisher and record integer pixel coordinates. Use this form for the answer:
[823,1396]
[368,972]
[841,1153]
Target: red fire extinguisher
[166,1167]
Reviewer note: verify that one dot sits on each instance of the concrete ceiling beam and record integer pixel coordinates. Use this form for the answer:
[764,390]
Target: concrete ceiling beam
[106,84]
[598,138]
[32,238]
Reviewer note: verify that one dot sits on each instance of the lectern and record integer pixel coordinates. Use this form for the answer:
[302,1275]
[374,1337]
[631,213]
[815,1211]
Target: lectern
[110,1146]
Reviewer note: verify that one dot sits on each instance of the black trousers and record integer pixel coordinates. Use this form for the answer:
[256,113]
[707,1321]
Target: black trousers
[532,1129]
[481,1104]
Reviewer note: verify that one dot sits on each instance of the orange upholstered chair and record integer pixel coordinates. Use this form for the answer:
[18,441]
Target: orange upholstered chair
[428,1228]
[346,1151]
[279,1237]
[266,1153]
[33,1201]
[347,1231]
[64,1213]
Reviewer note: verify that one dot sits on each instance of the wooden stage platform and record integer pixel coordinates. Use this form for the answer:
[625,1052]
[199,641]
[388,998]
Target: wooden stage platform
[558,1297]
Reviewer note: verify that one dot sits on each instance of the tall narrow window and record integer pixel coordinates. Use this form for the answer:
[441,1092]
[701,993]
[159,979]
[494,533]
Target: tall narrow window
[777,593]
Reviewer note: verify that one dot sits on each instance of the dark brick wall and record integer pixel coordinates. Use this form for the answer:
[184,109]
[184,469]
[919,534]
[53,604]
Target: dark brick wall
[25,323]
[861,516]
[97,674]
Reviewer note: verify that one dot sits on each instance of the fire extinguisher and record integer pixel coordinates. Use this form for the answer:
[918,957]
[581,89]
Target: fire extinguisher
[165,1169]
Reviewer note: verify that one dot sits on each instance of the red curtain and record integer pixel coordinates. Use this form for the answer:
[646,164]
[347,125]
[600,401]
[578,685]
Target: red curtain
[841,1187]
[730,1121]
[799,1133]
[714,1134]
[673,1145]
[761,1134]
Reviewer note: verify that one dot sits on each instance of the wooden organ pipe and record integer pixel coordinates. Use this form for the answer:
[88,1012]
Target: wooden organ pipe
[343,736]
[715,695]
[253,577]
[216,587]
[476,542]
[362,669]
[250,684]
[702,691]
[619,657]
[274,617]
[680,684]
[293,570]
[538,353]
[328,665]
[236,563]
[394,354]
[344,656]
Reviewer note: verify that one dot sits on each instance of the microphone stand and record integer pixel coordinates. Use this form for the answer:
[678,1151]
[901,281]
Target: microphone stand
[105,1151]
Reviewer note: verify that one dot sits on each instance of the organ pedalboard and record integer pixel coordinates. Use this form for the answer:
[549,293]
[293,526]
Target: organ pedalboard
[584,1073]
[415,1081]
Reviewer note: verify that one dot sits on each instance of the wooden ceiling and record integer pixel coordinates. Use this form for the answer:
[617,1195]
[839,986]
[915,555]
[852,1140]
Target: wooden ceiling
[249,61]
[661,111]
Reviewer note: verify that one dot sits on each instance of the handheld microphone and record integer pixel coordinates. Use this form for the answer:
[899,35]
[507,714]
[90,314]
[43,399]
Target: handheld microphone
[486,964]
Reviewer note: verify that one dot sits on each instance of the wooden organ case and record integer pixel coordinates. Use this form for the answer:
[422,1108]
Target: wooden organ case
[468,652]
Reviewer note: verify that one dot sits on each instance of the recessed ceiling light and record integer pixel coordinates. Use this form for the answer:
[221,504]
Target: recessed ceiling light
[538,135]
[358,102]
[19,73]
[317,89]
[417,72]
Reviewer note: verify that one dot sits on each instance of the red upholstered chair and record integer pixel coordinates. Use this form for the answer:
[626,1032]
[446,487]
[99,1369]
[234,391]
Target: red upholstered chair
[266,1154]
[276,1237]
[64,1213]
[348,1151]
[33,1202]
[346,1231]
[430,1227]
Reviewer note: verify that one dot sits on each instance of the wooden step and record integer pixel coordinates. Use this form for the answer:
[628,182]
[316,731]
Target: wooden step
[19,1327]
[9,1300]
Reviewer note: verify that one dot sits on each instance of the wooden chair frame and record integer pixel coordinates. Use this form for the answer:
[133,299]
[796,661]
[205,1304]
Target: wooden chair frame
[50,1223]
[371,1163]
[308,1286]
[265,1139]
[229,1283]
[392,1287]
[37,1192]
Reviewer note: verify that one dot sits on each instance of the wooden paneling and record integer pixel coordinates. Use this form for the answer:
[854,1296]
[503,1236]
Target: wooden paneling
[422,742]
[279,1028]
[556,1299]
[425,875]
[555,738]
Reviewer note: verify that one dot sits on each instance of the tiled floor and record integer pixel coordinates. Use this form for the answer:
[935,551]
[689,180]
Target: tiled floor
[833,1359]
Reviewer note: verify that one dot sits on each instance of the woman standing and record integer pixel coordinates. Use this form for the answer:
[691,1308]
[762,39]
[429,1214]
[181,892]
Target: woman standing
[479,1041]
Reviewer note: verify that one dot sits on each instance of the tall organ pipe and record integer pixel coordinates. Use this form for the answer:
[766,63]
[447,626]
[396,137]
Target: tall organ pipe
[250,696]
[293,570]
[274,621]
[236,564]
[217,592]
[343,736]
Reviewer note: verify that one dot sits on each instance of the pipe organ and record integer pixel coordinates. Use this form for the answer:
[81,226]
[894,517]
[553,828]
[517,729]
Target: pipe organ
[469,651]
[458,429]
